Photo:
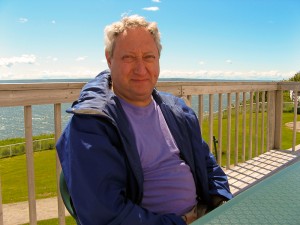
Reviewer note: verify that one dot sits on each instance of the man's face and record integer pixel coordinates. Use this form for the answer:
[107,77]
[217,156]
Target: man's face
[134,66]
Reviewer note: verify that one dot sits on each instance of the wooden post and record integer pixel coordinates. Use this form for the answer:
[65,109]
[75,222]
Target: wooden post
[250,126]
[236,145]
[295,120]
[30,164]
[60,204]
[278,119]
[244,128]
[200,110]
[228,131]
[271,120]
[220,123]
[1,208]
[262,122]
[211,121]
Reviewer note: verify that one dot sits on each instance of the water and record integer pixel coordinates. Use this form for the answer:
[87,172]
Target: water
[12,118]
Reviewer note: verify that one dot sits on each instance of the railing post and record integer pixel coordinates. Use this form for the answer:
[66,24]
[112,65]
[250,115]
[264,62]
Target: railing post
[250,126]
[211,121]
[295,120]
[271,120]
[244,128]
[1,208]
[220,127]
[278,119]
[30,164]
[262,127]
[236,143]
[200,110]
[60,204]
[228,131]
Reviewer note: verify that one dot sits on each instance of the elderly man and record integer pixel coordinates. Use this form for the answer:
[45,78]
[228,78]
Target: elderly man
[131,154]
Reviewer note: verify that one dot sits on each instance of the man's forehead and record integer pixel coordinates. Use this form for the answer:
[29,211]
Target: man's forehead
[133,30]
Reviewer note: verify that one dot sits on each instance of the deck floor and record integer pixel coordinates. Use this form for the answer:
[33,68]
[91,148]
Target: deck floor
[252,171]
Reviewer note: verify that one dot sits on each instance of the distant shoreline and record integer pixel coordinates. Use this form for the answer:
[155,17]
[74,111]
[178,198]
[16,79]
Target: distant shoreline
[160,79]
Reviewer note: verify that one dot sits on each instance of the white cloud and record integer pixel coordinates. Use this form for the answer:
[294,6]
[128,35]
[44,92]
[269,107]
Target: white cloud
[26,59]
[124,14]
[201,62]
[22,20]
[81,58]
[228,61]
[7,74]
[228,75]
[156,1]
[50,59]
[53,22]
[154,8]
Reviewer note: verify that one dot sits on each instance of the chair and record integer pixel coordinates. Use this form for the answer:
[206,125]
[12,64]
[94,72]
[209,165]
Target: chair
[66,196]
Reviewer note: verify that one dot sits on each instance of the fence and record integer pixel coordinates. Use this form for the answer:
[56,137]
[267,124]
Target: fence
[19,148]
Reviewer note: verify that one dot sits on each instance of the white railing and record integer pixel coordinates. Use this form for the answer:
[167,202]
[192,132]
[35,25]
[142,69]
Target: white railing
[264,123]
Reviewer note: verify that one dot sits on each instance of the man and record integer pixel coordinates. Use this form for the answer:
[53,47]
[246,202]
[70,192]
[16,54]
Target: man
[130,154]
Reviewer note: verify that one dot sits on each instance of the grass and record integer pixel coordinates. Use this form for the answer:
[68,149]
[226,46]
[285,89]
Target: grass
[14,177]
[287,134]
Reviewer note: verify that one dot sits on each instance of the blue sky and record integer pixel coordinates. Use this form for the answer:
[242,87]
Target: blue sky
[205,39]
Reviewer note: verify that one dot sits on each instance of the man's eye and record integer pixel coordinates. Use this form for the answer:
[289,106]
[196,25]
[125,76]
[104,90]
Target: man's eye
[149,58]
[128,58]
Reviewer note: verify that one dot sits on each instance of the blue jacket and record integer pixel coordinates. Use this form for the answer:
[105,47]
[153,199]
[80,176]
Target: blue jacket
[101,164]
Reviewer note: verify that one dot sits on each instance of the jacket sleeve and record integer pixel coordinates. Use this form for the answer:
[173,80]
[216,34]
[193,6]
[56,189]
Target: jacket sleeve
[95,171]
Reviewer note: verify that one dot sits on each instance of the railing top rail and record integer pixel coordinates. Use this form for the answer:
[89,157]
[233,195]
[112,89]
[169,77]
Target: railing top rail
[291,85]
[22,94]
[40,86]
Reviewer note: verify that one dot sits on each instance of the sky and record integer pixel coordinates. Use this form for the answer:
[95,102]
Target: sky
[203,39]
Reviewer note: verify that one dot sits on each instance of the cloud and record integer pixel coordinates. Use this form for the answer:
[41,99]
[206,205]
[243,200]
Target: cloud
[228,75]
[201,62]
[81,58]
[53,22]
[228,61]
[158,1]
[25,59]
[22,20]
[6,74]
[124,14]
[154,8]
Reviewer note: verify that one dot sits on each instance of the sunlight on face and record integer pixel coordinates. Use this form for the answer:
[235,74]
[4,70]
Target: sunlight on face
[134,66]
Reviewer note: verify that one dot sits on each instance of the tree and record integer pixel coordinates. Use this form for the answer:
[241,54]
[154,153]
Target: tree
[296,77]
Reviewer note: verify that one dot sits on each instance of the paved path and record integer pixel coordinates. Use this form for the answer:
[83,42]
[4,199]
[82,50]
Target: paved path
[18,213]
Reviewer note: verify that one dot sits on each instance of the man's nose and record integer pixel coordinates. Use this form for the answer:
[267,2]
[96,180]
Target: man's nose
[140,67]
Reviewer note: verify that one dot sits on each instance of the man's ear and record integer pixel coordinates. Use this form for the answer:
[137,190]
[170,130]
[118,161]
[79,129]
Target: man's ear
[108,59]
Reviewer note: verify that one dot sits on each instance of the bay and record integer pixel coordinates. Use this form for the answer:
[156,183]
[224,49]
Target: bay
[12,118]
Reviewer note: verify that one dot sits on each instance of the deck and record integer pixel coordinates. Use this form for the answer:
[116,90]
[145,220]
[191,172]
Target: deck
[245,160]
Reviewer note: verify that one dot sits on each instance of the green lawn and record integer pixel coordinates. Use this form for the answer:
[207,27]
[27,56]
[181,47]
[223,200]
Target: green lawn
[14,181]
[287,134]
[13,170]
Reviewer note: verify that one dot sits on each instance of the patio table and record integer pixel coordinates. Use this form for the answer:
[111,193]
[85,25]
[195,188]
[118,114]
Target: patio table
[275,200]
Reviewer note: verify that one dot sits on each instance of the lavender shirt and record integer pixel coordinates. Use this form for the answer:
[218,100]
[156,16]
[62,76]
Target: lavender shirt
[169,186]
